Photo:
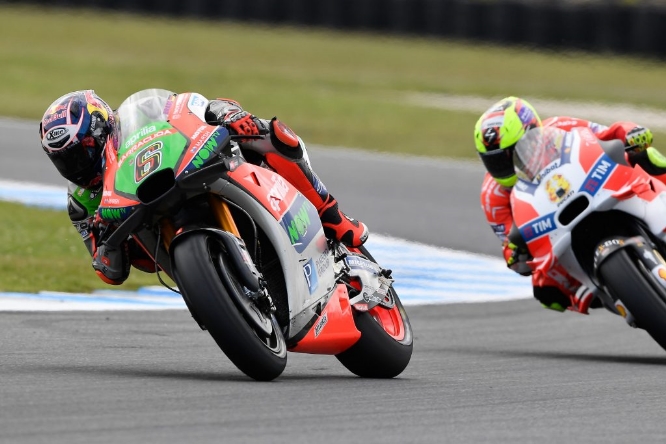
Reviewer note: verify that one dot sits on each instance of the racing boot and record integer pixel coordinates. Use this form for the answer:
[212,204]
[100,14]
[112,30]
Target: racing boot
[292,163]
[337,225]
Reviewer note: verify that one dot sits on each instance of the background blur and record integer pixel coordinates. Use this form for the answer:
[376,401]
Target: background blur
[398,76]
[621,26]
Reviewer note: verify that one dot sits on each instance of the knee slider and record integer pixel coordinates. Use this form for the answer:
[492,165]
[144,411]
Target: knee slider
[285,140]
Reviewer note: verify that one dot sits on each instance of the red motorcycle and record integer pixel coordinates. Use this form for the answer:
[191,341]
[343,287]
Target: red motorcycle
[246,249]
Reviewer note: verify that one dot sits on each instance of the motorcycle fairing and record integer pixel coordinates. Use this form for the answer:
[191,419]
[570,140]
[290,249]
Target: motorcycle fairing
[267,197]
[334,331]
[606,185]
[183,144]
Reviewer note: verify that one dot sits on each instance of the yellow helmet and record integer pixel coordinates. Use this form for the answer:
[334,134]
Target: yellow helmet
[496,133]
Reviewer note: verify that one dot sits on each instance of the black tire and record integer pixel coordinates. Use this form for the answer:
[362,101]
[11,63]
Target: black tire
[386,343]
[628,280]
[215,298]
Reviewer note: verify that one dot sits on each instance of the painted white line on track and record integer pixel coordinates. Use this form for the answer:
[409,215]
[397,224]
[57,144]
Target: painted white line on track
[424,274]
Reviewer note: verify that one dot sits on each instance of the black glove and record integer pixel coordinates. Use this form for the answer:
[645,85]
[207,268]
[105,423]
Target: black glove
[516,259]
[112,265]
[639,138]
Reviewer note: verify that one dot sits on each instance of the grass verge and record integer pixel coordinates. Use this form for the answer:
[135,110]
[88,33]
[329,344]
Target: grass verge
[40,249]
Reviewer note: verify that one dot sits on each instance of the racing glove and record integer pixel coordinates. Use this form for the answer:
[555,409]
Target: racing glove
[516,259]
[229,113]
[638,138]
[112,265]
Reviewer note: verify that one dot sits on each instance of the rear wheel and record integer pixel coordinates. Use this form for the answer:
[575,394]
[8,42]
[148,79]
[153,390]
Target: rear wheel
[385,347]
[250,337]
[628,280]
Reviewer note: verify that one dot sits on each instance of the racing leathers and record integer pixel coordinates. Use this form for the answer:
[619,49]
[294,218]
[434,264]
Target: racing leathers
[558,290]
[281,150]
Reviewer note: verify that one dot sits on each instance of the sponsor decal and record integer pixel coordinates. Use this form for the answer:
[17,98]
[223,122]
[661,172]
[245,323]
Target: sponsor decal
[310,273]
[297,221]
[277,192]
[359,263]
[525,115]
[178,108]
[114,214]
[598,175]
[588,136]
[538,227]
[141,133]
[662,273]
[490,136]
[547,170]
[498,229]
[207,150]
[144,141]
[321,323]
[197,101]
[56,116]
[323,262]
[56,133]
[558,188]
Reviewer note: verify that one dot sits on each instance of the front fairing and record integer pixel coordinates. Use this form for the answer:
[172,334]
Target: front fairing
[158,131]
[582,180]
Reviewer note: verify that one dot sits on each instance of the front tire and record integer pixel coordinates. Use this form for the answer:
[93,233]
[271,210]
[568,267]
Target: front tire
[628,280]
[385,347]
[250,338]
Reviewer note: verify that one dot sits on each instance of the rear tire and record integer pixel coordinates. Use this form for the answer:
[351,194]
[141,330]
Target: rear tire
[628,280]
[385,347]
[251,339]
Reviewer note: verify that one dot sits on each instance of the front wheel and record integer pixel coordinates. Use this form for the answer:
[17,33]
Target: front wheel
[385,347]
[250,338]
[628,280]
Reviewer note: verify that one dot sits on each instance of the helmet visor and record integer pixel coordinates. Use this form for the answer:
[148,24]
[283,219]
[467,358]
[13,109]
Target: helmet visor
[79,163]
[499,163]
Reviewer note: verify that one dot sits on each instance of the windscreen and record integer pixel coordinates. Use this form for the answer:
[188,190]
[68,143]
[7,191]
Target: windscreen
[536,150]
[140,109]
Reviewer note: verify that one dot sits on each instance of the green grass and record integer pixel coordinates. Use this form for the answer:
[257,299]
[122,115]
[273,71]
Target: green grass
[332,88]
[40,249]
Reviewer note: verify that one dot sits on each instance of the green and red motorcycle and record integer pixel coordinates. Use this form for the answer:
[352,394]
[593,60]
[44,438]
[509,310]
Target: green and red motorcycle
[246,249]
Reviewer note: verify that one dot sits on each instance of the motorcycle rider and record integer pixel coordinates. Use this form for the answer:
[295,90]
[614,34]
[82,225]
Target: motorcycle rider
[74,132]
[495,135]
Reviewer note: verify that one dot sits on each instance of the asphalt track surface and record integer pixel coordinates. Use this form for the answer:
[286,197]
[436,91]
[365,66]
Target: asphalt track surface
[505,372]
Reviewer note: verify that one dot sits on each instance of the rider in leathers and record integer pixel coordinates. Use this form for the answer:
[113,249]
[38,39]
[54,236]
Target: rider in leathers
[496,133]
[74,132]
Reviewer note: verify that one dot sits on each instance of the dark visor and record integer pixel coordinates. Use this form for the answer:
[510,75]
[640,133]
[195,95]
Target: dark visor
[77,163]
[499,163]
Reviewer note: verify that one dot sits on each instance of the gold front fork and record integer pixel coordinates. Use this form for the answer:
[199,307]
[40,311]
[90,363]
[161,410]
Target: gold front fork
[223,215]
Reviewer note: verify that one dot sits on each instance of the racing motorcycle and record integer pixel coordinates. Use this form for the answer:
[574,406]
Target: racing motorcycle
[245,248]
[588,217]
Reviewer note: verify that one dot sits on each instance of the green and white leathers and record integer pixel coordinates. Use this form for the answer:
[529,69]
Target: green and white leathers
[81,206]
[496,133]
